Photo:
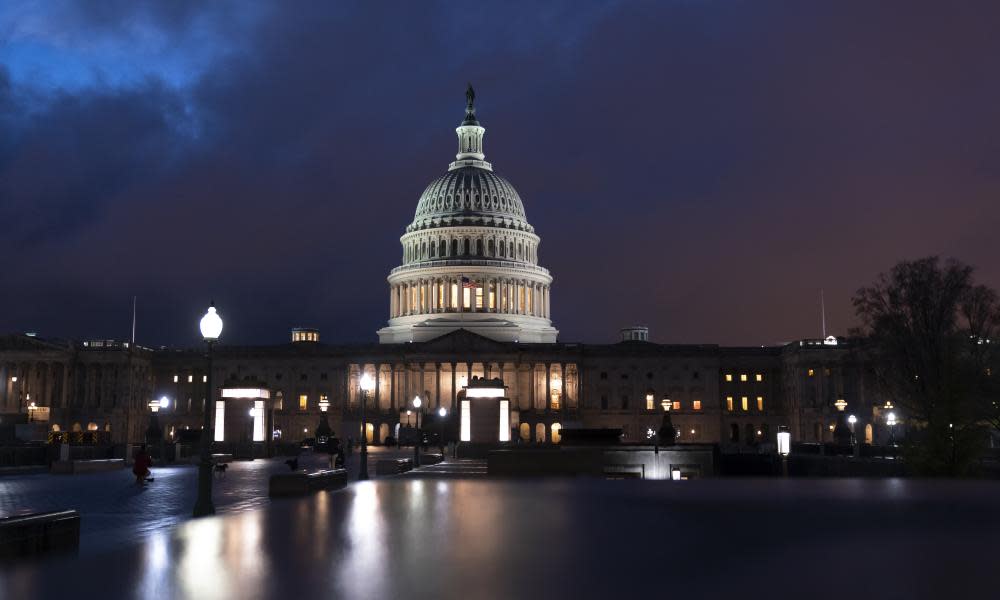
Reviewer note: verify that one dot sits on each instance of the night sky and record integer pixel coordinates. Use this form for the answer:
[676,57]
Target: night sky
[703,167]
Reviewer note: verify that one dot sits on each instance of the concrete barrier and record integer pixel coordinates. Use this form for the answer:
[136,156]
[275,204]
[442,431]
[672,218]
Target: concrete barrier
[39,533]
[72,467]
[301,483]
[393,466]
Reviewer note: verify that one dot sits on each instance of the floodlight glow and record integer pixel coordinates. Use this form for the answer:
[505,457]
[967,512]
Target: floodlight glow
[675,474]
[211,325]
[258,420]
[164,402]
[484,393]
[784,442]
[417,402]
[505,420]
[251,393]
[367,382]
[442,412]
[852,419]
[466,428]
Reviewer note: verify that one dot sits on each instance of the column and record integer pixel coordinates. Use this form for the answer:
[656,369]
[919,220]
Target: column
[548,386]
[437,384]
[454,392]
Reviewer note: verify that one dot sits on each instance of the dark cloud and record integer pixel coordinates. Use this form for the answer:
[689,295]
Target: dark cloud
[703,167]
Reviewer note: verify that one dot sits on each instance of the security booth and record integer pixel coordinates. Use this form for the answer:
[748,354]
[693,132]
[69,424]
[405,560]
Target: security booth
[485,415]
[244,420]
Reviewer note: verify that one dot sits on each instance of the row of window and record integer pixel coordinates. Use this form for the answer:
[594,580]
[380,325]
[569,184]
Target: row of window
[744,403]
[233,377]
[651,403]
[604,375]
[746,377]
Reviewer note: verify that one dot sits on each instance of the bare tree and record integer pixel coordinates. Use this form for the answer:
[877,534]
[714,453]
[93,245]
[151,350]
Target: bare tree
[930,335]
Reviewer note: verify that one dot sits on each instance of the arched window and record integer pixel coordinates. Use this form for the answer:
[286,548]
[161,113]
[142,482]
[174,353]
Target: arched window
[423,250]
[370,429]
[442,248]
[433,250]
[868,433]
[468,247]
[107,427]
[525,431]
[479,247]
[383,432]
[510,253]
[454,247]
[556,433]
[540,433]
[91,426]
[734,433]
[492,248]
[55,427]
[76,427]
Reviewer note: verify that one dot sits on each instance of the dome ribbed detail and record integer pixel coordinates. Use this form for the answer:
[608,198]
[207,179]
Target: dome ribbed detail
[470,196]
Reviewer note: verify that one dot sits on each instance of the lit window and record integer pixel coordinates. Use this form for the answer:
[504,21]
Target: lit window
[175,379]
[760,377]
[729,403]
[729,376]
[454,295]
[479,298]
[826,371]
[649,402]
[204,378]
[677,404]
[303,402]
[744,404]
[743,376]
[466,297]
[810,372]
[696,405]
[190,378]
[760,402]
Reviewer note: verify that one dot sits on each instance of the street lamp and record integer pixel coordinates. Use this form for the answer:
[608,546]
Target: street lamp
[851,420]
[417,402]
[442,413]
[667,434]
[890,420]
[367,386]
[211,329]
[784,447]
[31,411]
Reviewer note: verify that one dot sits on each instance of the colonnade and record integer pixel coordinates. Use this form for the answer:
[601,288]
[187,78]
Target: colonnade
[540,386]
[461,294]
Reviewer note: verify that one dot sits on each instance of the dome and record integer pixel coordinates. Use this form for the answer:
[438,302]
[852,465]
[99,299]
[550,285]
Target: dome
[470,195]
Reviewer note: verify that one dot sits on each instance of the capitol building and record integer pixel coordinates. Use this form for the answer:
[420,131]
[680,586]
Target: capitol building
[469,299]
[470,257]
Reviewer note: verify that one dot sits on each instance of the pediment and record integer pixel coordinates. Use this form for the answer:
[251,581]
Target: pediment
[463,340]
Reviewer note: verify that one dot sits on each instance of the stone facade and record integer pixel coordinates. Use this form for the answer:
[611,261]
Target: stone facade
[736,397]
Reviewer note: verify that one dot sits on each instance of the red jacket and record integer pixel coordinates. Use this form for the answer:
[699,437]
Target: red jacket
[142,463]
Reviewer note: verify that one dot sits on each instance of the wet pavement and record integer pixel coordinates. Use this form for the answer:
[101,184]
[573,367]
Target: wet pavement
[416,537]
[115,511]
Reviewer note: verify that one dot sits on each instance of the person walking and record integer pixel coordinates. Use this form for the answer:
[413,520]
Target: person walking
[140,468]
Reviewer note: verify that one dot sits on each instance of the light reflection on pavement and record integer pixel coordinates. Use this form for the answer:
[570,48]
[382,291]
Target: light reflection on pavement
[451,538]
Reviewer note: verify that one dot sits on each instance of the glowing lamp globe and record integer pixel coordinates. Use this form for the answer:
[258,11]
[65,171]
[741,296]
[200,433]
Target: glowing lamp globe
[367,382]
[442,412]
[417,402]
[211,325]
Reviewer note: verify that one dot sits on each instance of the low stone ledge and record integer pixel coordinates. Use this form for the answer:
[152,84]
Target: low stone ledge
[72,467]
[300,483]
[39,533]
[431,459]
[393,466]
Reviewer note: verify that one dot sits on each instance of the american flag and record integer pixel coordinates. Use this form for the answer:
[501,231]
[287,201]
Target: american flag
[467,284]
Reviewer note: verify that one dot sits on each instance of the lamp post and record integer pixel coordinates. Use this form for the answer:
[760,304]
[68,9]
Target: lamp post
[667,433]
[31,411]
[442,413]
[852,420]
[211,329]
[367,385]
[890,421]
[784,447]
[417,402]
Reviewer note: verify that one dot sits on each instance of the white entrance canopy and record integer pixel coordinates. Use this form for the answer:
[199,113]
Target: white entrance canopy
[246,393]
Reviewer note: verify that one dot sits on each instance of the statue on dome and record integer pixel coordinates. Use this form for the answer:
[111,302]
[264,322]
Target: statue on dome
[470,97]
